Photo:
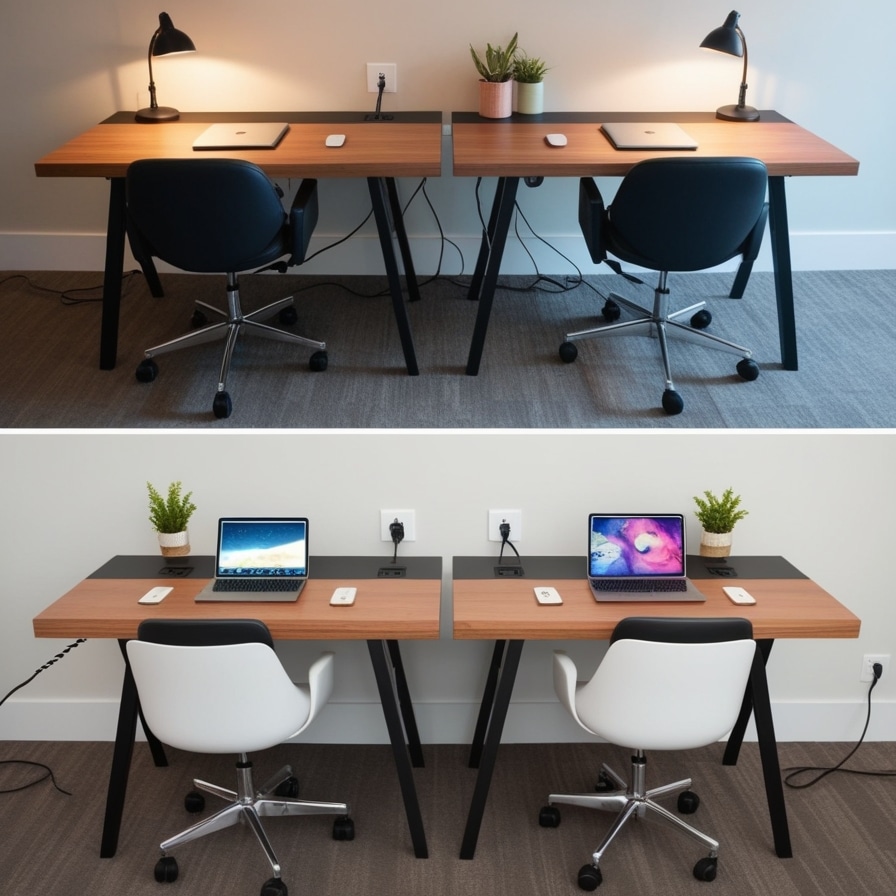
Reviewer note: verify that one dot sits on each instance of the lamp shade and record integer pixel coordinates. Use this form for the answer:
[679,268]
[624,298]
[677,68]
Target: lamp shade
[165,40]
[728,38]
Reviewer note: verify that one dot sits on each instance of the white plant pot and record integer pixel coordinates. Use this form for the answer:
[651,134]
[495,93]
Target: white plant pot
[174,544]
[715,544]
[530,98]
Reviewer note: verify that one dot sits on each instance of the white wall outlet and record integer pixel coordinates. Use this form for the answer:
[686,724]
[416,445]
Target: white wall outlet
[407,517]
[869,660]
[496,517]
[389,69]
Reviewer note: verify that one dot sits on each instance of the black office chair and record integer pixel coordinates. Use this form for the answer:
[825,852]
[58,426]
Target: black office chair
[675,214]
[664,684]
[214,216]
[217,686]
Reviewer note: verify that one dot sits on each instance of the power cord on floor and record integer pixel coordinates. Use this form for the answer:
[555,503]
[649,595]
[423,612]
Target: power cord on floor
[79,296]
[795,771]
[48,771]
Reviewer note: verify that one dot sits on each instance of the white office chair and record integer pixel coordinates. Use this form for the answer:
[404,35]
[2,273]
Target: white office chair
[664,684]
[217,686]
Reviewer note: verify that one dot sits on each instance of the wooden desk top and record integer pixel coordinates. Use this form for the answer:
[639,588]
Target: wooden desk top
[384,609]
[409,146]
[506,608]
[516,147]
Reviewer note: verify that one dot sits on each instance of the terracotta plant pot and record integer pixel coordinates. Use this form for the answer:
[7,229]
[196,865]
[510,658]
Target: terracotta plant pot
[495,99]
[715,544]
[174,544]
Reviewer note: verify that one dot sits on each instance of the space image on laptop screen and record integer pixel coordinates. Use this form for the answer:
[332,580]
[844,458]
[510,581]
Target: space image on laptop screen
[263,547]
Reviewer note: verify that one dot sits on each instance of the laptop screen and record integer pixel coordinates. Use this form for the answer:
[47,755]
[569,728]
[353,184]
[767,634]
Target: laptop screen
[254,548]
[623,545]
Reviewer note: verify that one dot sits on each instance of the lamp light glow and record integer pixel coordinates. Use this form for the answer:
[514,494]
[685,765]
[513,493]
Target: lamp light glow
[729,38]
[166,40]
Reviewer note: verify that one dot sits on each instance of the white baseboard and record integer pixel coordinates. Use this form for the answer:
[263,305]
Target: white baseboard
[449,723]
[361,254]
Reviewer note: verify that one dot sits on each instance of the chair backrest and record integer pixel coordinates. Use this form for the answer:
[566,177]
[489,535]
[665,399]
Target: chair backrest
[217,686]
[206,215]
[685,214]
[663,684]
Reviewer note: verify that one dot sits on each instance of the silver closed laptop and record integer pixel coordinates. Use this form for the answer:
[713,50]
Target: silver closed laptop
[259,559]
[647,135]
[639,558]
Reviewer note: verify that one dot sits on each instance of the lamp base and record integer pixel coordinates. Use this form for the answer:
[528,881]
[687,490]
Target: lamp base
[737,113]
[160,113]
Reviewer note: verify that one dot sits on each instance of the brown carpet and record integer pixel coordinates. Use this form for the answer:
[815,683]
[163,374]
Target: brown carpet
[843,829]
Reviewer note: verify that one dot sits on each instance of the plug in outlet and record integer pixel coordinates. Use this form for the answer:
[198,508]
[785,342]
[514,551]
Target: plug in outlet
[496,517]
[406,517]
[868,662]
[389,70]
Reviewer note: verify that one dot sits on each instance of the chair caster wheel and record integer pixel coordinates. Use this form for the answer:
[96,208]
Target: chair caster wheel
[688,801]
[318,362]
[166,870]
[672,403]
[343,829]
[701,320]
[568,353]
[289,788]
[274,887]
[605,784]
[147,370]
[706,869]
[748,369]
[198,319]
[590,877]
[288,315]
[194,802]
[611,311]
[222,406]
[549,817]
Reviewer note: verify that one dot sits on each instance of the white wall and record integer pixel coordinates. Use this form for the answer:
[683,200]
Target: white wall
[70,501]
[67,66]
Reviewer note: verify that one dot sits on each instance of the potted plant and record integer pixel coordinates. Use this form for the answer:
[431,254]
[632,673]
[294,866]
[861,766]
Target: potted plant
[529,72]
[718,516]
[496,79]
[169,516]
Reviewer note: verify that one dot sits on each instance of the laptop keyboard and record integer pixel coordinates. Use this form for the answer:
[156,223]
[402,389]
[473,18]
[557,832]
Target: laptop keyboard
[632,586]
[257,584]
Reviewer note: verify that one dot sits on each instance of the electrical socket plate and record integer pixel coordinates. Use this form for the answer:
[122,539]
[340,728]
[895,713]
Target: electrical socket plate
[514,517]
[389,69]
[869,660]
[387,517]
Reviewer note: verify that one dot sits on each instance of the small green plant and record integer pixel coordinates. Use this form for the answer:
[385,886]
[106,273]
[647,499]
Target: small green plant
[529,69]
[171,513]
[719,514]
[498,62]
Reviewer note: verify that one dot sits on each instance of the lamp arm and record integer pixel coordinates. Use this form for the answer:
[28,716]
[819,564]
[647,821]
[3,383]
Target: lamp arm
[742,96]
[153,104]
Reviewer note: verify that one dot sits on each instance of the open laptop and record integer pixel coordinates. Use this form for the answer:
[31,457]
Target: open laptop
[259,559]
[647,135]
[242,135]
[641,557]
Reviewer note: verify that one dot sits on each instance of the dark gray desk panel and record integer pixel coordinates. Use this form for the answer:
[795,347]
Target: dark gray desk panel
[597,117]
[741,568]
[294,117]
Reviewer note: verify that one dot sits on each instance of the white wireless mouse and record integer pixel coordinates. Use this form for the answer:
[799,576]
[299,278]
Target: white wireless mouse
[555,139]
[335,140]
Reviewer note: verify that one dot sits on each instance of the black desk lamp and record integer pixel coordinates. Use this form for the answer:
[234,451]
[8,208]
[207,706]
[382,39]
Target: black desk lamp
[167,39]
[730,39]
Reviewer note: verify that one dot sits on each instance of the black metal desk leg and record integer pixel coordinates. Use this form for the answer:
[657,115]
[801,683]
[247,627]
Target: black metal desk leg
[406,706]
[384,228]
[380,660]
[115,231]
[490,748]
[499,225]
[768,753]
[485,243]
[736,738]
[488,701]
[777,219]
[407,260]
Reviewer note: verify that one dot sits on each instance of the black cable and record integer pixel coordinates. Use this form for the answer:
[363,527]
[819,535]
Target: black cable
[795,771]
[77,296]
[504,529]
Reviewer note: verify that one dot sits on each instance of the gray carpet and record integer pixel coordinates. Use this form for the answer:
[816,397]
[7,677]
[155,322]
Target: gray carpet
[49,374]
[842,828]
